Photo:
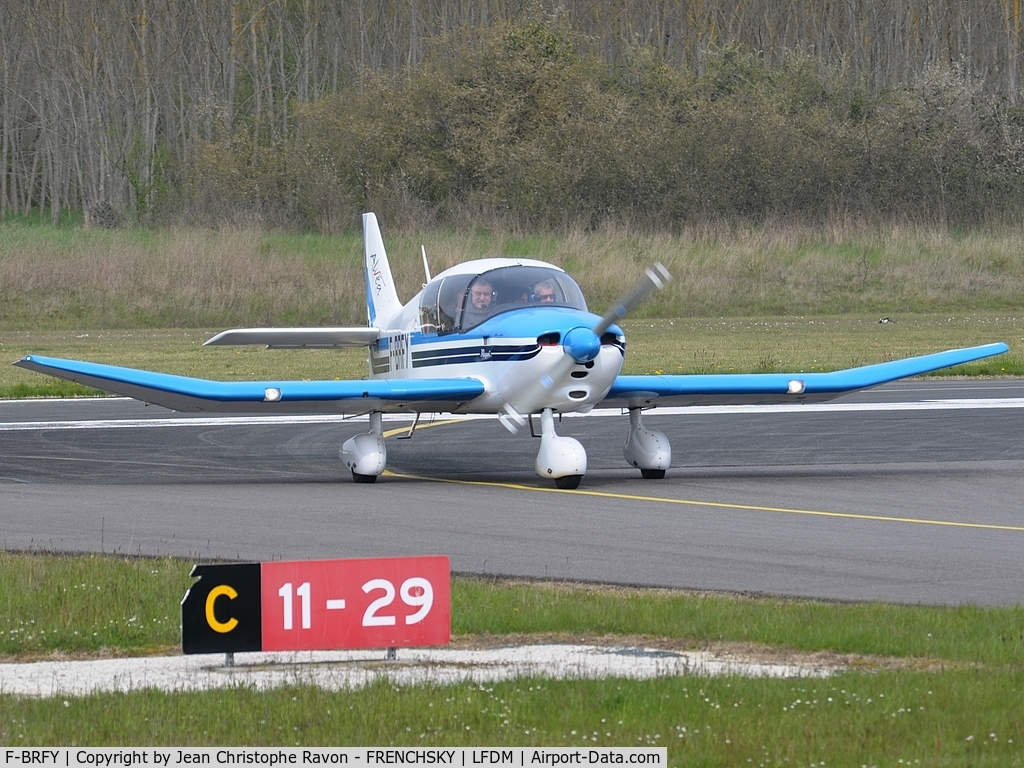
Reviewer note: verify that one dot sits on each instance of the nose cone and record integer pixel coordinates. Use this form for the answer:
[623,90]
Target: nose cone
[582,345]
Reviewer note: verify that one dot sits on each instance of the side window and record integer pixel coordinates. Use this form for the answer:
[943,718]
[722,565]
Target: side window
[450,295]
[428,308]
[567,292]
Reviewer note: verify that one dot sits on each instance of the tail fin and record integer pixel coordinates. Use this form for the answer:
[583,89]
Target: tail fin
[382,302]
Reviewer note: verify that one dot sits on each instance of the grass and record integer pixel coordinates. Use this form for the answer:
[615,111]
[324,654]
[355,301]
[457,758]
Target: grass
[897,718]
[663,345]
[817,343]
[168,350]
[934,686]
[938,686]
[71,278]
[745,300]
[771,298]
[90,603]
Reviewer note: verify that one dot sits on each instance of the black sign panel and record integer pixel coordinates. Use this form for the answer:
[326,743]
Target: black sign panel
[221,613]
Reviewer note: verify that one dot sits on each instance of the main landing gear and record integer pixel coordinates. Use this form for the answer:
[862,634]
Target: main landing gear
[564,460]
[646,449]
[365,454]
[560,458]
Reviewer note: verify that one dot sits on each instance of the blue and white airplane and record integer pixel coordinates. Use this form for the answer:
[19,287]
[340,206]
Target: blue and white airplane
[502,336]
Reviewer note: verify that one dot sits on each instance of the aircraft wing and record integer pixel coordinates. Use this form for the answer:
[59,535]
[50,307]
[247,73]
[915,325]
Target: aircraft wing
[182,393]
[760,388]
[296,338]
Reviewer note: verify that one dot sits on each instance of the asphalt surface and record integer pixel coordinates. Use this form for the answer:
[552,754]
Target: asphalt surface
[912,492]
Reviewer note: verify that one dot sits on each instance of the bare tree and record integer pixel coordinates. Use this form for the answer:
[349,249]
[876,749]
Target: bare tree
[109,101]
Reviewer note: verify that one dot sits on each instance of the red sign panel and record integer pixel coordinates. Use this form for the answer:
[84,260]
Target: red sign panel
[375,603]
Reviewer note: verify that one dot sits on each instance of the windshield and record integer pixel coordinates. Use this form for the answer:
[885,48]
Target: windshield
[500,290]
[460,302]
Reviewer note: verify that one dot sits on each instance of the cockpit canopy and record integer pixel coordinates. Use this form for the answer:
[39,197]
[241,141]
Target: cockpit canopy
[446,304]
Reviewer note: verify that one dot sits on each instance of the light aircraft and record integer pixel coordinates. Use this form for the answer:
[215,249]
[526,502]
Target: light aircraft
[503,336]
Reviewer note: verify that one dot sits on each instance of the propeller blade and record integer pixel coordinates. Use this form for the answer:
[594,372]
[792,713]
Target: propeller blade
[511,419]
[656,277]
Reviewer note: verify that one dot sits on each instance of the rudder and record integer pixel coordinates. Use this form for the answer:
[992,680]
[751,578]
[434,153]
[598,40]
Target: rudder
[382,302]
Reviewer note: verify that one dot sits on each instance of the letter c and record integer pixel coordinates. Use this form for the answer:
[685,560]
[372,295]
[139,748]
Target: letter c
[211,619]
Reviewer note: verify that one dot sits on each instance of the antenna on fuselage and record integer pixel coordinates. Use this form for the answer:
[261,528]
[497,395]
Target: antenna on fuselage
[423,250]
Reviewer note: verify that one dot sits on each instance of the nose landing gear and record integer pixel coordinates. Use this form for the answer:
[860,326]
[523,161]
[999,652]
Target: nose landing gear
[560,458]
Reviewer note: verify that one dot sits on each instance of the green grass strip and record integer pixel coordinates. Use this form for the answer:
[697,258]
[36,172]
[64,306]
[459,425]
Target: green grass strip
[934,686]
[94,603]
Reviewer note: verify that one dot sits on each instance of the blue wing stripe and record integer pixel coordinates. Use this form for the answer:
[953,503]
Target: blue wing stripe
[775,387]
[182,391]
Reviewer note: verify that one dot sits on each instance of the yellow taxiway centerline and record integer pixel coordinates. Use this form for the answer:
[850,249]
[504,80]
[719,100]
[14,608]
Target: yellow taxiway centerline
[692,502]
[404,430]
[718,504]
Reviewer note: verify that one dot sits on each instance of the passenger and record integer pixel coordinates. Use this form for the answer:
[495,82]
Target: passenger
[544,292]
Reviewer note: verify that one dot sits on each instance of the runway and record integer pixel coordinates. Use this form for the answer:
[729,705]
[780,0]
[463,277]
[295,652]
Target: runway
[909,493]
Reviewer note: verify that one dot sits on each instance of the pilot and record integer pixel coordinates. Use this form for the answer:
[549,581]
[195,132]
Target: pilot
[544,292]
[481,297]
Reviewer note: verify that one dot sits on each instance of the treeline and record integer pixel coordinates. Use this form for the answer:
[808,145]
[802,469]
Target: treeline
[655,114]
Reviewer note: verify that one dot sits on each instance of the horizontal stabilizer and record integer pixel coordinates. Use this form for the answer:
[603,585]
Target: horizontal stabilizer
[297,338]
[182,393]
[760,388]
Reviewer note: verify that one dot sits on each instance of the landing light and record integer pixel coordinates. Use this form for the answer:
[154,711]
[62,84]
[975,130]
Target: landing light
[271,395]
[796,387]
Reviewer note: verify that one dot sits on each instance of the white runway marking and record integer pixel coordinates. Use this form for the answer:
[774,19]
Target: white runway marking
[696,410]
[206,421]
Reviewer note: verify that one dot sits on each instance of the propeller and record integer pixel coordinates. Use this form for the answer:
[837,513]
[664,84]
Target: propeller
[581,345]
[654,277]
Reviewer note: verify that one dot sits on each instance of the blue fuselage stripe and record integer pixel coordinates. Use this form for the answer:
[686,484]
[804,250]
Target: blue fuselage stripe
[473,354]
[425,356]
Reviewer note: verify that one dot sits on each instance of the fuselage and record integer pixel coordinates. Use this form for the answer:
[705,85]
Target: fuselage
[523,336]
